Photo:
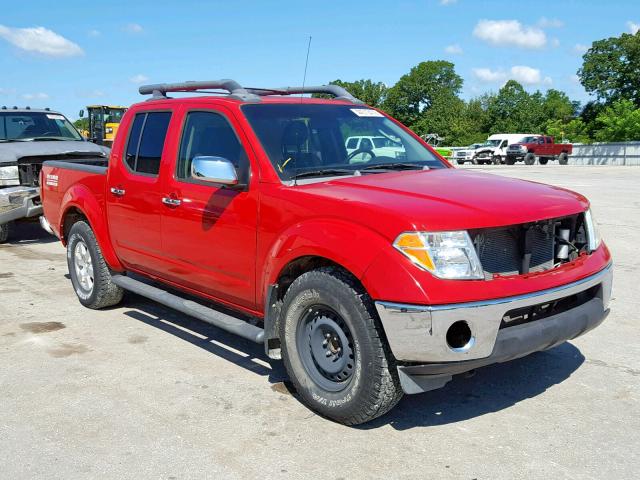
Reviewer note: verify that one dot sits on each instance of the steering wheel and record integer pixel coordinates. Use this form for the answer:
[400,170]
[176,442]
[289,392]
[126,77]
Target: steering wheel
[361,150]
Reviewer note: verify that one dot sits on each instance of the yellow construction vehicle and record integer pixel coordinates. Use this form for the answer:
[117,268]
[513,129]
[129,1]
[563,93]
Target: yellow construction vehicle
[104,121]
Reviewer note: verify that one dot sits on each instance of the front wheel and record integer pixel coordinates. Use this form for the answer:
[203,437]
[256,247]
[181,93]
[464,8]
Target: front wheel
[529,159]
[496,159]
[90,275]
[334,350]
[511,160]
[5,230]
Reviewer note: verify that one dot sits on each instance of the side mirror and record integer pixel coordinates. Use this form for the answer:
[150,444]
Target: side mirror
[81,113]
[214,170]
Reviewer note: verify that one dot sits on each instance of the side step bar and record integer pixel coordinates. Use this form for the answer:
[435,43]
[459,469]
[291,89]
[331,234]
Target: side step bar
[206,314]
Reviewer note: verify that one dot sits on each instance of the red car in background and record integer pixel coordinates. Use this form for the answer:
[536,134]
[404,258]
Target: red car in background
[539,147]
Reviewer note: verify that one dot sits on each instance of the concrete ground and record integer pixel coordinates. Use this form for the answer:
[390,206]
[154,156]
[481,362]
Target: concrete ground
[140,391]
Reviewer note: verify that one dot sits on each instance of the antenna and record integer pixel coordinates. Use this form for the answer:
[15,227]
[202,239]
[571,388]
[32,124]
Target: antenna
[306,64]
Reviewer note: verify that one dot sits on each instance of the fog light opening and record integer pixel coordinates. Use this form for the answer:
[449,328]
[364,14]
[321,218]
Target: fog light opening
[459,336]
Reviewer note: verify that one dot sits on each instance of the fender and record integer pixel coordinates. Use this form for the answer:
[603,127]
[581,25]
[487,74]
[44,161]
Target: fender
[83,199]
[336,240]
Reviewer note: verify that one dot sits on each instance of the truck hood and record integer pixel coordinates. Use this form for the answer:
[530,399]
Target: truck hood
[12,152]
[446,199]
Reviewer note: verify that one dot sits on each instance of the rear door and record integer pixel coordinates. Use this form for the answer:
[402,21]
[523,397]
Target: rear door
[134,192]
[209,234]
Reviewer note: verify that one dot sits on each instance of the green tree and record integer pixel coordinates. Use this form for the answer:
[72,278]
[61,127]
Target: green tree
[611,69]
[417,91]
[558,106]
[574,130]
[81,124]
[370,92]
[513,110]
[619,122]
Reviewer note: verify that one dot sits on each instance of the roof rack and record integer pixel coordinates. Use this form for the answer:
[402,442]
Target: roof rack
[238,92]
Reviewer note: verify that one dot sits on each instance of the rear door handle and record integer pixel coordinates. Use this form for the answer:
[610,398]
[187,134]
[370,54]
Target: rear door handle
[118,192]
[172,202]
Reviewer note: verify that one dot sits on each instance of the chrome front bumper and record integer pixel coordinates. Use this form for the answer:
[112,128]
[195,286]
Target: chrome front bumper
[19,202]
[418,333]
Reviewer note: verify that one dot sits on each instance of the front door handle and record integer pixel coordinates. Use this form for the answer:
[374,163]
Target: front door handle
[172,202]
[118,192]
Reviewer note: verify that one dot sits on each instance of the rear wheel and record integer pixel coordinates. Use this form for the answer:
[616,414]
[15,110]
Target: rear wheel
[543,161]
[563,158]
[89,272]
[529,159]
[5,230]
[334,350]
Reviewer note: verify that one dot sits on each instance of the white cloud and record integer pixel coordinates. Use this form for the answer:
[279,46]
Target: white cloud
[40,40]
[504,33]
[139,78]
[520,73]
[133,28]
[555,42]
[447,2]
[35,96]
[545,22]
[526,75]
[489,76]
[94,33]
[574,79]
[454,49]
[633,27]
[580,49]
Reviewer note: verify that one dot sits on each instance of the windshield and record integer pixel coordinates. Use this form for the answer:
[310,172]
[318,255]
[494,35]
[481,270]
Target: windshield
[529,140]
[113,115]
[334,139]
[36,125]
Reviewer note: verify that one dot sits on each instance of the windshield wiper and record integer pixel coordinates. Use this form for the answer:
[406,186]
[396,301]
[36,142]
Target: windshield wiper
[47,139]
[323,172]
[394,166]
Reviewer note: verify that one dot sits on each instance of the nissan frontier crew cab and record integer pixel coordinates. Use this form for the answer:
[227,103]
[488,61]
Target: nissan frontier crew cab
[370,277]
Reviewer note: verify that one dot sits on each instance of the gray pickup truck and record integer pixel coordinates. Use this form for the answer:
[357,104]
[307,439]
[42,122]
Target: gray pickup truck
[27,138]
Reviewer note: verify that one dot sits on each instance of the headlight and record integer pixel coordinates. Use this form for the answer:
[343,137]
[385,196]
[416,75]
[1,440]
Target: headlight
[108,130]
[593,236]
[9,175]
[445,254]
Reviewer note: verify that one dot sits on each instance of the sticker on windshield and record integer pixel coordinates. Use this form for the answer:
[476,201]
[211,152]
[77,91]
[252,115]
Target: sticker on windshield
[54,116]
[366,112]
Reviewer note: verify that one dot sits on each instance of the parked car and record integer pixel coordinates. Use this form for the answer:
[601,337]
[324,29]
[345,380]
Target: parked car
[495,148]
[369,280]
[27,136]
[380,146]
[538,147]
[467,154]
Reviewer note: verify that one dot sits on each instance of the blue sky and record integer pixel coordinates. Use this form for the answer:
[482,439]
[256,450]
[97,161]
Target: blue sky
[78,53]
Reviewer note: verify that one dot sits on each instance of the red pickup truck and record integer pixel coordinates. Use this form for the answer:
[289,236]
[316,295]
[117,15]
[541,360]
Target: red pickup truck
[540,147]
[370,274]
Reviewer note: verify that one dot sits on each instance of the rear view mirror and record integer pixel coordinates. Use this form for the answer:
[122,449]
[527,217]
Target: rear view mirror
[214,170]
[81,113]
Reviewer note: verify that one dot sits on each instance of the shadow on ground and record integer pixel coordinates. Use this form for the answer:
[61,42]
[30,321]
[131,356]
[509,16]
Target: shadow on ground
[25,233]
[491,389]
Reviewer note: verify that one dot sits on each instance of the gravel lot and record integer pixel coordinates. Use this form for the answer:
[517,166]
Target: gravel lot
[140,391]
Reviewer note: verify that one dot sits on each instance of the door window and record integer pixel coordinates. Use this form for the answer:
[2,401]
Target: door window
[146,141]
[210,134]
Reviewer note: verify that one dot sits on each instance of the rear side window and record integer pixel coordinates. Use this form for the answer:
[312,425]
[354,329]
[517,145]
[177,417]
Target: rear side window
[146,142]
[352,143]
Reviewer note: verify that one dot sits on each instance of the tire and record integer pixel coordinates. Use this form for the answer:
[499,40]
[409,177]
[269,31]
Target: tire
[543,161]
[510,160]
[563,158]
[5,231]
[529,159]
[90,275]
[496,160]
[334,349]
[474,161]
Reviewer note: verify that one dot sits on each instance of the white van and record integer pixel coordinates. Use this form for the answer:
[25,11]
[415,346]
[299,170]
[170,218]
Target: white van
[495,148]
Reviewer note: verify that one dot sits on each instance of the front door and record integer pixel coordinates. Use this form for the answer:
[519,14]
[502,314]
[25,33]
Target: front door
[134,193]
[209,233]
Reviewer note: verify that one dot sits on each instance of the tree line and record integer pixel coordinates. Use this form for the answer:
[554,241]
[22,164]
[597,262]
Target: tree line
[427,100]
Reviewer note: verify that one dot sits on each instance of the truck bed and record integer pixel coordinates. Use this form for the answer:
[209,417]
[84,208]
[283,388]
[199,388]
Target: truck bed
[59,177]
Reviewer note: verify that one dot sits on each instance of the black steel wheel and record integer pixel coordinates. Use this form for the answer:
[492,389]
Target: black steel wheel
[334,349]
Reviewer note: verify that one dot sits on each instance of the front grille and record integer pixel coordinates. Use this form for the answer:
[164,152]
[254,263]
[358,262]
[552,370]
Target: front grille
[526,248]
